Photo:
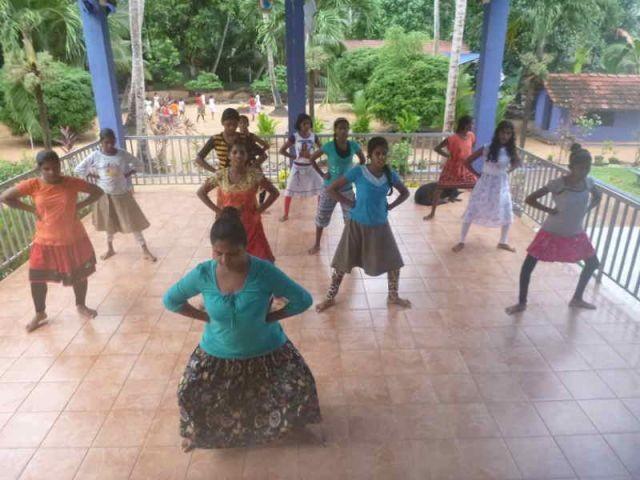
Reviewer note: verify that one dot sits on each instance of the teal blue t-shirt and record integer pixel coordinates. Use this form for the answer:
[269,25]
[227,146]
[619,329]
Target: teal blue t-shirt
[371,195]
[338,165]
[237,327]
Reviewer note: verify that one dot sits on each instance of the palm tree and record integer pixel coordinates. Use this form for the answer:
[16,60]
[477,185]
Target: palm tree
[623,57]
[267,34]
[436,27]
[454,61]
[26,25]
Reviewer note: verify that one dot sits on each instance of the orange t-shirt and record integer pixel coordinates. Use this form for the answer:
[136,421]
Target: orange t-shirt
[56,206]
[174,108]
[461,148]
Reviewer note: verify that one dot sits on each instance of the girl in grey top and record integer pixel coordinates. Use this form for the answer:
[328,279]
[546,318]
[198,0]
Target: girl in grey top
[562,237]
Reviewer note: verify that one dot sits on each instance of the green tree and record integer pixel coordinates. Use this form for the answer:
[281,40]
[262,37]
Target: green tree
[163,62]
[623,57]
[353,70]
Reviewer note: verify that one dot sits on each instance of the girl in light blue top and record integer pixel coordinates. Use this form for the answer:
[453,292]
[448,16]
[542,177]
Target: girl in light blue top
[367,240]
[245,383]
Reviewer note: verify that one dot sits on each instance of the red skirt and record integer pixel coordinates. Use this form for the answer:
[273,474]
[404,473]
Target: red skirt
[456,175]
[257,243]
[549,247]
[63,263]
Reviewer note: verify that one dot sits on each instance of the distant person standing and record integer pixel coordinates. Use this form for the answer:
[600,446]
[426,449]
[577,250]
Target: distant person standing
[252,107]
[200,107]
[156,102]
[258,104]
[212,107]
[182,108]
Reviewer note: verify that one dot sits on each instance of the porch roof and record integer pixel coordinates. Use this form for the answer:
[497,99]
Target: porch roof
[594,91]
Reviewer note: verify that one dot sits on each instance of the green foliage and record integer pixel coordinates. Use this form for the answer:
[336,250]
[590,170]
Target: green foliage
[419,88]
[407,122]
[204,82]
[164,62]
[318,125]
[266,125]
[399,156]
[353,70]
[599,160]
[362,124]
[503,103]
[263,85]
[67,93]
[13,169]
[620,177]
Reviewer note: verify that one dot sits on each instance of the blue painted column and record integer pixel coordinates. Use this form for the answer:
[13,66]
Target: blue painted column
[494,34]
[296,72]
[103,73]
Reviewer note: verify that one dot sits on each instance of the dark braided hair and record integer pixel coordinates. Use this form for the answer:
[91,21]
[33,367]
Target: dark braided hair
[228,228]
[377,142]
[510,146]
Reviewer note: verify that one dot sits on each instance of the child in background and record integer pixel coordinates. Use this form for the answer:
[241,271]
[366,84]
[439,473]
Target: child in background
[490,204]
[252,107]
[339,152]
[303,179]
[367,240]
[562,237]
[117,211]
[454,173]
[200,108]
[237,187]
[212,107]
[182,108]
[61,250]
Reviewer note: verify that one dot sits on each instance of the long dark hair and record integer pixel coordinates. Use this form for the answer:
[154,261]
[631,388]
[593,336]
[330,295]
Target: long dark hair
[228,228]
[374,143]
[495,146]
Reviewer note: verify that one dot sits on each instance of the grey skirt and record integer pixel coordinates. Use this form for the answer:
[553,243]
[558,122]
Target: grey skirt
[118,214]
[372,248]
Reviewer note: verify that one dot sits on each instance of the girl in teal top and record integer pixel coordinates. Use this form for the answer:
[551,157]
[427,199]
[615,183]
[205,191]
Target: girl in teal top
[367,240]
[245,383]
[339,154]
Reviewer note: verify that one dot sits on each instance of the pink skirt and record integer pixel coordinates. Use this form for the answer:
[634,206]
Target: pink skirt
[549,247]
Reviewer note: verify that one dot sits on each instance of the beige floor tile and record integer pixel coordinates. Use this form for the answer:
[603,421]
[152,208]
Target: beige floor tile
[455,388]
[27,369]
[75,429]
[565,418]
[124,428]
[94,396]
[161,463]
[517,419]
[227,463]
[25,430]
[610,416]
[590,456]
[411,388]
[626,446]
[58,463]
[369,390]
[13,461]
[13,394]
[585,385]
[539,457]
[49,397]
[107,464]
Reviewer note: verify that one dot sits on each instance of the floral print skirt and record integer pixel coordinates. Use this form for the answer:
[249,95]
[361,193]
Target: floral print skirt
[235,403]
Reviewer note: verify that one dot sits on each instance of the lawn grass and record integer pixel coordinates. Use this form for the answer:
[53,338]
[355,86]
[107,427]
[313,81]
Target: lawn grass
[622,178]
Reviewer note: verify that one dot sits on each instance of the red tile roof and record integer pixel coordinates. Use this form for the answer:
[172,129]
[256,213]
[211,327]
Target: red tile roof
[427,47]
[594,91]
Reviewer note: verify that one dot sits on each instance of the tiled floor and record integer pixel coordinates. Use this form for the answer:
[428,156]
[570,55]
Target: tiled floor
[452,388]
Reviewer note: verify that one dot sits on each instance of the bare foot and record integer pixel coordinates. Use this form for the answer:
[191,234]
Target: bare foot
[517,308]
[507,247]
[187,445]
[38,321]
[428,217]
[147,255]
[401,302]
[313,250]
[86,312]
[457,247]
[576,303]
[284,218]
[322,306]
[110,253]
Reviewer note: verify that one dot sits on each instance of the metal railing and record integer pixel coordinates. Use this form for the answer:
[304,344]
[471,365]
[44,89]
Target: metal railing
[169,159]
[613,226]
[16,226]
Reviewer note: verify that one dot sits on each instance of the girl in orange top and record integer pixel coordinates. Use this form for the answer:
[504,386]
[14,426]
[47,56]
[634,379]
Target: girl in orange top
[61,250]
[455,173]
[237,187]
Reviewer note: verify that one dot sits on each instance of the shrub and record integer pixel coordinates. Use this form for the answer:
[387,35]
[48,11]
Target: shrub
[318,125]
[399,156]
[10,169]
[163,61]
[205,81]
[263,85]
[407,122]
[598,160]
[353,70]
[68,96]
[266,125]
[614,161]
[419,88]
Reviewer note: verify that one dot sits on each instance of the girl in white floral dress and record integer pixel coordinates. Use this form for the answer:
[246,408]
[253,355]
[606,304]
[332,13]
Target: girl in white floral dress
[490,204]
